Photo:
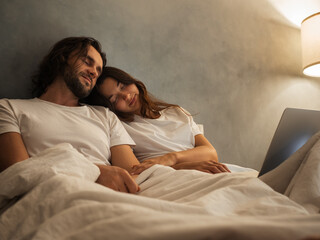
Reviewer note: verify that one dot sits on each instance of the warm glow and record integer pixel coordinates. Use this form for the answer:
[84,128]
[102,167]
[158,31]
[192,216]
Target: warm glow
[296,10]
[310,40]
[313,71]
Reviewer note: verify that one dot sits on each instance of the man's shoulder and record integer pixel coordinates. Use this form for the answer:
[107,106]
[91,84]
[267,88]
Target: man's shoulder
[18,99]
[7,101]
[98,108]
[102,110]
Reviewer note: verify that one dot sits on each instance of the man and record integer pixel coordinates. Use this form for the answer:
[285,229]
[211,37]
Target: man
[27,127]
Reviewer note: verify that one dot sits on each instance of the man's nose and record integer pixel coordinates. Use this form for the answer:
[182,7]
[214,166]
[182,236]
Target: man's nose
[93,73]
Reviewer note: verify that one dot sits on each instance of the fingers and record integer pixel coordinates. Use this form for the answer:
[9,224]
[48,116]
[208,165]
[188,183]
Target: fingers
[219,167]
[226,168]
[137,169]
[117,179]
[125,183]
[222,168]
[130,185]
[212,167]
[215,169]
[122,188]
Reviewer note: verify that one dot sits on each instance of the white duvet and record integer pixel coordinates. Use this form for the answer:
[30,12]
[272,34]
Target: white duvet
[53,196]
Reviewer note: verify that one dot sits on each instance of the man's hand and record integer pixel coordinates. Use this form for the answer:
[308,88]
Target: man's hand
[204,166]
[117,179]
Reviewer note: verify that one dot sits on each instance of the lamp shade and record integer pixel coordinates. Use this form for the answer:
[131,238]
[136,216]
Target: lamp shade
[310,39]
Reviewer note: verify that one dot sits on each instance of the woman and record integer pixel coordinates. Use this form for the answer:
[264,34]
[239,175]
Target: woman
[164,133]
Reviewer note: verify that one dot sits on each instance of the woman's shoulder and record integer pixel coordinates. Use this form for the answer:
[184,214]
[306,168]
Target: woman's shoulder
[175,113]
[175,110]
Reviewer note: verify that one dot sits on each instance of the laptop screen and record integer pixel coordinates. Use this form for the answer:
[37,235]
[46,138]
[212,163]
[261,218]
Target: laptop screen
[296,126]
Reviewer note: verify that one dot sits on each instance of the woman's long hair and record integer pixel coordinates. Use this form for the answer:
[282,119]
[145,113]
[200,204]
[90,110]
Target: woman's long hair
[150,106]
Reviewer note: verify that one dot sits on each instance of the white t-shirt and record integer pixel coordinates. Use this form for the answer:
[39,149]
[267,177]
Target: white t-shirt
[92,130]
[173,131]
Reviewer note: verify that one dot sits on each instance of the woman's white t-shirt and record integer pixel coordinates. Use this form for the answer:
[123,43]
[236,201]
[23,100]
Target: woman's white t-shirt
[173,131]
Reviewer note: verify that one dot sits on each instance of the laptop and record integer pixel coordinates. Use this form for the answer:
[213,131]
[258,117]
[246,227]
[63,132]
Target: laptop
[296,126]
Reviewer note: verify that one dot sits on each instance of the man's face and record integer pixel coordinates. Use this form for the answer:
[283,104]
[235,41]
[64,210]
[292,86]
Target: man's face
[82,72]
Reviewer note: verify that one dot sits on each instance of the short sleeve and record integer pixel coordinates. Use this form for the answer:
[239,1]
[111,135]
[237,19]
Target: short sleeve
[118,134]
[193,126]
[8,120]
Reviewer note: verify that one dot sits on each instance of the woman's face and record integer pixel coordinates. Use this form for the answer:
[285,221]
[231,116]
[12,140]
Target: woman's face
[125,98]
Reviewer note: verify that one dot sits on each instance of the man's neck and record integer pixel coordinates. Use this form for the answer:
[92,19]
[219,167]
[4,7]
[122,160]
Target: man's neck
[59,93]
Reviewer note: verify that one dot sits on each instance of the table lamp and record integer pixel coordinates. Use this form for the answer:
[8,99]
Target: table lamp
[310,40]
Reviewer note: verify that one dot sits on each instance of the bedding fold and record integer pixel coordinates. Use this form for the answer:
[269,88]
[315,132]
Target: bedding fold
[59,199]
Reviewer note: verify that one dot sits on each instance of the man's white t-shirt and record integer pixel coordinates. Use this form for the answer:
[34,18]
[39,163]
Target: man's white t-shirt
[173,131]
[92,130]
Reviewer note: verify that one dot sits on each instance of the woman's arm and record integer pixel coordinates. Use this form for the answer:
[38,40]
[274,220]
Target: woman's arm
[203,151]
[12,149]
[204,166]
[203,154]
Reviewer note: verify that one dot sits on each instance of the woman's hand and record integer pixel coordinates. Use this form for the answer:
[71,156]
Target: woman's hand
[167,160]
[210,166]
[204,166]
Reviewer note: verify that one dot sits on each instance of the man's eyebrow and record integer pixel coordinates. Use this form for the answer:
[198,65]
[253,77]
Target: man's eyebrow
[92,60]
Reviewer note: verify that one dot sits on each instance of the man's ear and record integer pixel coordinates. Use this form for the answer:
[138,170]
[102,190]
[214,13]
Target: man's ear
[63,59]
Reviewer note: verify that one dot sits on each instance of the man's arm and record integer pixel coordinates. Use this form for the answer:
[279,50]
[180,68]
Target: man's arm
[122,156]
[116,176]
[12,149]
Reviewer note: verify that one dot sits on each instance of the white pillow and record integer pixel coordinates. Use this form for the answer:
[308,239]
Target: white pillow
[304,187]
[280,177]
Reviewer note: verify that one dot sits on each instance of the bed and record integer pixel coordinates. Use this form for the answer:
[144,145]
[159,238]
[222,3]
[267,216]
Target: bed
[54,196]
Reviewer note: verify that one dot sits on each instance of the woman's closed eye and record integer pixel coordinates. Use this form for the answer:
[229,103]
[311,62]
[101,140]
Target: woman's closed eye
[118,92]
[113,99]
[121,86]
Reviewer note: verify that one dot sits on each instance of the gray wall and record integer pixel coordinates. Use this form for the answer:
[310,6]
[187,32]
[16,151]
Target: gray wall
[235,64]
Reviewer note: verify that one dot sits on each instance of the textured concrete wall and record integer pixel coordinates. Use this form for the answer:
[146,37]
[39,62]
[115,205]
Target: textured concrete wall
[235,64]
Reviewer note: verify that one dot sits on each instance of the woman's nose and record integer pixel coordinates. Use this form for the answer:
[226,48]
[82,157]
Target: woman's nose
[126,96]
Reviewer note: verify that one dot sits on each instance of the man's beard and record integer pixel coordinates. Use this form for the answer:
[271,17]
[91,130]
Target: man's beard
[74,84]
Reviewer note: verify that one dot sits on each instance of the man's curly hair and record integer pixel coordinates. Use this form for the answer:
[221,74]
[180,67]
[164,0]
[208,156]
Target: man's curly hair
[55,62]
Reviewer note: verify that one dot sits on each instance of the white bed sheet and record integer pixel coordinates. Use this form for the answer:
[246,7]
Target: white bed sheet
[53,196]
